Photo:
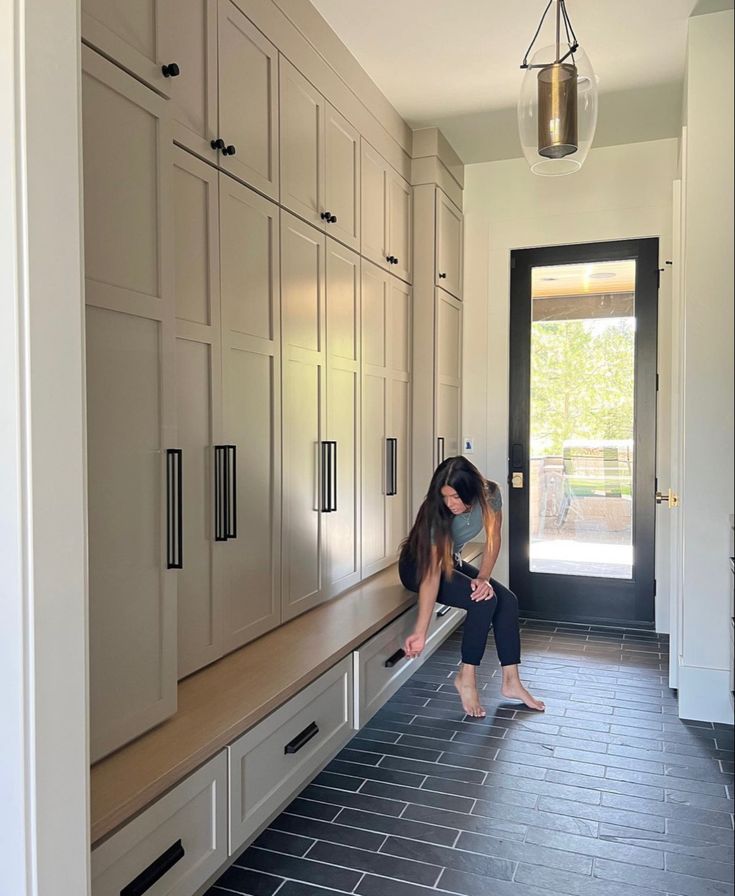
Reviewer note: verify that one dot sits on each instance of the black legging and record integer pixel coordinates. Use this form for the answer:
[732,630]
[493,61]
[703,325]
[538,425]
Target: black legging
[500,612]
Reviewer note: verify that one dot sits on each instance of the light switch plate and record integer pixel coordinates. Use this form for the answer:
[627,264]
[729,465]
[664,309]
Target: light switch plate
[468,445]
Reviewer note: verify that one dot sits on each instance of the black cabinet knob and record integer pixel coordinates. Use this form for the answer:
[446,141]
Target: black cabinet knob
[442,276]
[395,260]
[325,216]
[332,219]
[229,150]
[219,143]
[389,259]
[171,70]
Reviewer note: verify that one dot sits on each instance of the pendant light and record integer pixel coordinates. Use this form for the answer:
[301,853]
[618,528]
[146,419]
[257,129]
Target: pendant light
[557,107]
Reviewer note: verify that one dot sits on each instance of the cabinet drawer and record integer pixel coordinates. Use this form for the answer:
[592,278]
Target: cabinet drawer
[270,763]
[174,846]
[381,666]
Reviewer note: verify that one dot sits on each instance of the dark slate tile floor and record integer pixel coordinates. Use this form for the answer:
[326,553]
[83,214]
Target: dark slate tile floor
[608,793]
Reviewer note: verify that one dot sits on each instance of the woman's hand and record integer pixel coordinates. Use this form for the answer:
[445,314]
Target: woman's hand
[414,644]
[481,589]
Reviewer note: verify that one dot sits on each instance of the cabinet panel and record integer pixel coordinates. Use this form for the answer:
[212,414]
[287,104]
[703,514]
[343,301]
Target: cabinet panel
[342,178]
[400,233]
[199,604]
[373,333]
[302,111]
[447,375]
[449,348]
[189,38]
[373,204]
[398,327]
[132,607]
[249,562]
[302,293]
[130,33]
[449,246]
[249,243]
[373,473]
[248,100]
[342,526]
[398,505]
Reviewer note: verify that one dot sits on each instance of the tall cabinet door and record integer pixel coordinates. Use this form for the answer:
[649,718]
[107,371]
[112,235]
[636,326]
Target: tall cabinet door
[375,447]
[449,246]
[398,417]
[130,405]
[131,33]
[248,101]
[189,37]
[249,555]
[448,376]
[198,403]
[342,180]
[373,204]
[302,111]
[399,223]
[342,522]
[304,395]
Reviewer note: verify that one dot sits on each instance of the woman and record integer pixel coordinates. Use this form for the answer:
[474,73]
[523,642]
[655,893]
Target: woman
[459,505]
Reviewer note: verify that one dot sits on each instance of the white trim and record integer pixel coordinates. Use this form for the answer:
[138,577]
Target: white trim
[704,694]
[43,684]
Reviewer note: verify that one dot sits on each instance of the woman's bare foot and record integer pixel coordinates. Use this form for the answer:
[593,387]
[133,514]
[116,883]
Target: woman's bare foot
[467,689]
[514,690]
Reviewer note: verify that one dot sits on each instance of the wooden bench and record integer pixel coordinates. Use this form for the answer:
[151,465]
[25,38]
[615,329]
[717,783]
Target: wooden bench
[221,702]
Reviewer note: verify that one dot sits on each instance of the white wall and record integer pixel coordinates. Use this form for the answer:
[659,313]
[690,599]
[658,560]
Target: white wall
[622,192]
[707,370]
[43,744]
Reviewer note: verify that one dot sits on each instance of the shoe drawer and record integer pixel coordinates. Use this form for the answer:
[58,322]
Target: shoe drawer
[271,762]
[380,665]
[174,846]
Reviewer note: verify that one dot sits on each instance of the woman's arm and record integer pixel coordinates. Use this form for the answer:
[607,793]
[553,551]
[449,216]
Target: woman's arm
[428,590]
[490,555]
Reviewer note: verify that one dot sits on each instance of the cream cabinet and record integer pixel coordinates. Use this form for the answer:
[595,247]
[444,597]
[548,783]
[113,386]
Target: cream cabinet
[320,159]
[132,448]
[320,308]
[449,246]
[386,384]
[228,411]
[387,218]
[219,70]
[447,376]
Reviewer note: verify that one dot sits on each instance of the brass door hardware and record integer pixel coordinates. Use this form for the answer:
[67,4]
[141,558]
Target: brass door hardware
[669,497]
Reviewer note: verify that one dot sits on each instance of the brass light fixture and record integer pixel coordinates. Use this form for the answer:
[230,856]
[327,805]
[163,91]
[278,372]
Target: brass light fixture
[557,107]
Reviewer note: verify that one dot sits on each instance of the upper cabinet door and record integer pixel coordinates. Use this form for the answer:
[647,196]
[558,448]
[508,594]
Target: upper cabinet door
[132,34]
[400,229]
[248,101]
[302,110]
[373,205]
[189,36]
[449,246]
[448,375]
[342,183]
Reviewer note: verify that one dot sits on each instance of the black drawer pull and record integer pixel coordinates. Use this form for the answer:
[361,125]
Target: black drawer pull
[396,658]
[155,871]
[302,739]
[442,612]
[174,509]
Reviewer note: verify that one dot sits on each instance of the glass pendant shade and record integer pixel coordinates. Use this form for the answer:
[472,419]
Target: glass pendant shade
[557,112]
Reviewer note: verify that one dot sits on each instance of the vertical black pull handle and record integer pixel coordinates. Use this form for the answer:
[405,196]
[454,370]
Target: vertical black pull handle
[231,482]
[155,871]
[174,509]
[391,476]
[324,477]
[220,499]
[333,471]
[328,476]
[439,450]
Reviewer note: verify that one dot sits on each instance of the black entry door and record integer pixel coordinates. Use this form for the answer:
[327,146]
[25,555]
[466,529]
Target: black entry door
[583,431]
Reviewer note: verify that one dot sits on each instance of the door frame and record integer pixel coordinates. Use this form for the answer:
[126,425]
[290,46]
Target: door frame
[545,595]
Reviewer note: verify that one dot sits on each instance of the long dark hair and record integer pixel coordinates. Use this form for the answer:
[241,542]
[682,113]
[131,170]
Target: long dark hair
[433,524]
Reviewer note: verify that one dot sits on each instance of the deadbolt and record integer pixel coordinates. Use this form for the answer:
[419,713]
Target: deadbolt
[516,480]
[669,497]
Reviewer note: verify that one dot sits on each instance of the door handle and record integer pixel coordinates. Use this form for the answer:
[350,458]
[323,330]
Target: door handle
[225,492]
[669,497]
[516,480]
[174,509]
[391,477]
[440,450]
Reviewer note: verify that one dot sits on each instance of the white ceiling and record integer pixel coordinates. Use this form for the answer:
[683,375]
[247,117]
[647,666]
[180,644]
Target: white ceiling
[455,65]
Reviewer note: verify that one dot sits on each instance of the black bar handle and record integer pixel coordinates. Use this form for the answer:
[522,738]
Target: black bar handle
[328,474]
[302,739]
[324,477]
[395,658]
[174,509]
[390,467]
[333,471]
[442,612]
[439,450]
[155,871]
[231,486]
[395,466]
[220,492]
[516,456]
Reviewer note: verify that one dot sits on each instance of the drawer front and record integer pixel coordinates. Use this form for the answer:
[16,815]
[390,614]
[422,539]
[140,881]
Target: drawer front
[272,761]
[380,665]
[174,846]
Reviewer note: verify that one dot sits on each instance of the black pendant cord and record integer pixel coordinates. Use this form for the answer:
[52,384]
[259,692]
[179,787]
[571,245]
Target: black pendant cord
[571,36]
